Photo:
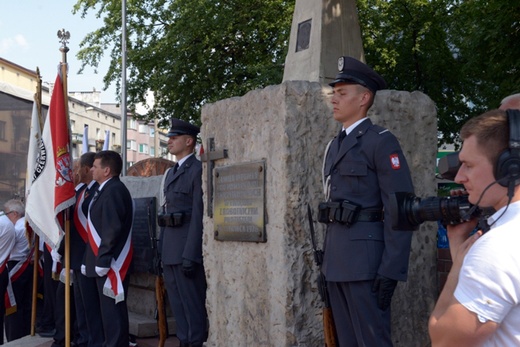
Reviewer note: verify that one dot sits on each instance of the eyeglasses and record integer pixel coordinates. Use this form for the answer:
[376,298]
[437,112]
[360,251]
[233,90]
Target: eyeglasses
[6,213]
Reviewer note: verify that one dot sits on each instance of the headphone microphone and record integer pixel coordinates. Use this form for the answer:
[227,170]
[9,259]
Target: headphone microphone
[507,168]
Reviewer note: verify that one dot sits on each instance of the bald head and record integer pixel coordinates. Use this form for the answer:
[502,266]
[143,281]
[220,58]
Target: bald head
[511,102]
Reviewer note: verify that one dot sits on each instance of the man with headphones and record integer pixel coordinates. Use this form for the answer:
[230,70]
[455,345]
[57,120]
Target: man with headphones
[480,302]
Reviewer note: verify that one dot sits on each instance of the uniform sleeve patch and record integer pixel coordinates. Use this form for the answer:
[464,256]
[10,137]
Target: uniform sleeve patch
[394,161]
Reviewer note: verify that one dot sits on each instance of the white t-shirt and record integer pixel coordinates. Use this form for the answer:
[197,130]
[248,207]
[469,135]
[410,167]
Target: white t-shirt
[489,280]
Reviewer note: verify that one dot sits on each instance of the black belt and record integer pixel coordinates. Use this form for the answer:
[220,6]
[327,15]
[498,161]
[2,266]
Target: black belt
[347,212]
[173,219]
[368,216]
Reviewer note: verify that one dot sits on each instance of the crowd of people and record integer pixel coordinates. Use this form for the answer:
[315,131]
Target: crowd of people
[101,250]
[364,258]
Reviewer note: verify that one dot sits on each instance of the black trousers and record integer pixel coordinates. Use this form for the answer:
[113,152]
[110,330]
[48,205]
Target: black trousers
[18,324]
[4,278]
[114,316]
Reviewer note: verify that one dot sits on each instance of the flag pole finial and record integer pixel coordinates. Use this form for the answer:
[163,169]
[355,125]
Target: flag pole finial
[64,37]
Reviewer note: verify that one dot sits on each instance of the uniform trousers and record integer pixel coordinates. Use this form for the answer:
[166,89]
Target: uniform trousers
[359,321]
[187,298]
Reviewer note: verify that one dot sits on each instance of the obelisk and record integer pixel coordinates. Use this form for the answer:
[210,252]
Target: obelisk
[321,32]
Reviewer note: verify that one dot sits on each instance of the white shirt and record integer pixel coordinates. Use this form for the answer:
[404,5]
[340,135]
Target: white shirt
[21,245]
[489,280]
[7,236]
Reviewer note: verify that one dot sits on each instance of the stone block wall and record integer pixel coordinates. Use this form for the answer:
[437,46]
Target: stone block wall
[265,294]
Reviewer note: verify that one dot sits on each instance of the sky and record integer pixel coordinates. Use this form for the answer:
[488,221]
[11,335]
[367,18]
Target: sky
[28,37]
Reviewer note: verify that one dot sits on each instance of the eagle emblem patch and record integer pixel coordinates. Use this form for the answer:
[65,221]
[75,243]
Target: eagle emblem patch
[394,161]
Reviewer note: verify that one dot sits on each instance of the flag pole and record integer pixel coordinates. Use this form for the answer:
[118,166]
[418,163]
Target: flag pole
[64,37]
[34,237]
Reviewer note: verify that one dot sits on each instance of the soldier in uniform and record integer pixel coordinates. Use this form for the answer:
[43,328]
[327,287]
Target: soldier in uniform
[181,239]
[363,257]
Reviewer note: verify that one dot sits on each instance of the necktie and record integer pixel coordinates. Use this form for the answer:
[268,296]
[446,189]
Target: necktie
[341,136]
[175,168]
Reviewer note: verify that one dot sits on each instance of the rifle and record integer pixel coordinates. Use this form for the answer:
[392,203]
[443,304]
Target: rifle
[329,330]
[160,291]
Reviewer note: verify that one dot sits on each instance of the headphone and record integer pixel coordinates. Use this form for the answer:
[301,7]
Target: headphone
[507,169]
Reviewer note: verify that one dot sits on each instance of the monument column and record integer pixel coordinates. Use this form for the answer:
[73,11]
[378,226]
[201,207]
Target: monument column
[321,32]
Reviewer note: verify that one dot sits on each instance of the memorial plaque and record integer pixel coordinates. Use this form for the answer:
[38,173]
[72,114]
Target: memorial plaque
[144,224]
[239,203]
[303,36]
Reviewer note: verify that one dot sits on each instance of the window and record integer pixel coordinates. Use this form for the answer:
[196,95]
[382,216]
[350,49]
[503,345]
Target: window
[72,125]
[143,148]
[142,128]
[2,130]
[132,124]
[152,132]
[152,151]
[131,144]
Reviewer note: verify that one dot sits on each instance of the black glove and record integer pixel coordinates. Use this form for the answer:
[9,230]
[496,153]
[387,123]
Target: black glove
[384,287]
[188,268]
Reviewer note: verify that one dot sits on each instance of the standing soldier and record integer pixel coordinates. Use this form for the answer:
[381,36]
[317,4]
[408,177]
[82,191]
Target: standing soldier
[363,257]
[181,239]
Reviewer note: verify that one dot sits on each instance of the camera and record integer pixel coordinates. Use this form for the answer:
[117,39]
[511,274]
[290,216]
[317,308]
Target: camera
[409,211]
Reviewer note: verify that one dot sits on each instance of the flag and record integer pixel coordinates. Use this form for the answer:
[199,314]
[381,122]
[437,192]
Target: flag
[35,138]
[85,139]
[52,188]
[107,137]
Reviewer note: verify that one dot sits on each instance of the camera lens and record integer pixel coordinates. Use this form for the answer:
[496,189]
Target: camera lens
[409,211]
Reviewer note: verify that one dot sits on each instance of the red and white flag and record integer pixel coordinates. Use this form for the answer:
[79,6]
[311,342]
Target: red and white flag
[52,188]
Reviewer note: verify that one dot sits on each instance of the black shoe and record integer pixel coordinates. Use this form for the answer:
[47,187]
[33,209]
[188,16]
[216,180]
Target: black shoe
[47,333]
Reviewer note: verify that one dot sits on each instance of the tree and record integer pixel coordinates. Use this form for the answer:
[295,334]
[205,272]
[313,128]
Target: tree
[460,53]
[189,52]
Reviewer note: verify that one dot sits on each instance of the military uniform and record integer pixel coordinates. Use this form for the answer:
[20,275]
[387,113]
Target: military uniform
[360,245]
[182,241]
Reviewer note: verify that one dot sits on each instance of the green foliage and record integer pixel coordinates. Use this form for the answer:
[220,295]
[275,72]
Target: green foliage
[461,53]
[190,52]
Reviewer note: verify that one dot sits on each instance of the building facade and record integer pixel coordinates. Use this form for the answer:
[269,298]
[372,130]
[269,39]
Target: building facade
[18,86]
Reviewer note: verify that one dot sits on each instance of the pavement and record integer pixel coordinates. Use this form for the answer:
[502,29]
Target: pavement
[37,341]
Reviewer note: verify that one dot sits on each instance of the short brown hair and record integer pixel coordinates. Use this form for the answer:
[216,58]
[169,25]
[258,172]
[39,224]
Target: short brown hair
[491,129]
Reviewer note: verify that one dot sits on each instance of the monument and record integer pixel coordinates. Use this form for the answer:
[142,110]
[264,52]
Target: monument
[321,32]
[263,165]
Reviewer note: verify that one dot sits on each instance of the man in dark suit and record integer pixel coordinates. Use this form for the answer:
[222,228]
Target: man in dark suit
[181,239]
[89,326]
[363,257]
[78,240]
[109,253]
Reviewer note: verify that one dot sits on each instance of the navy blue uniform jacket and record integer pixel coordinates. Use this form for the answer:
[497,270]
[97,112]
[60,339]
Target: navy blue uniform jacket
[368,167]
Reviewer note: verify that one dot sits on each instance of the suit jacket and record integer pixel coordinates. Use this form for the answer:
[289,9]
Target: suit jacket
[111,213]
[183,193]
[77,245]
[365,170]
